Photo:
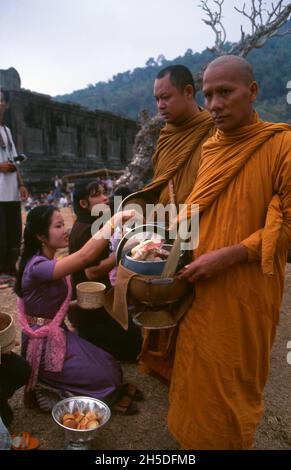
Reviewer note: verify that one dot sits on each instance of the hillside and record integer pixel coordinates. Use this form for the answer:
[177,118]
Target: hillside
[130,92]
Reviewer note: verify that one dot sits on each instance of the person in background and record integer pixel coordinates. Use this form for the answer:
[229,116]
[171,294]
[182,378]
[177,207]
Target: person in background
[58,184]
[63,202]
[12,189]
[87,194]
[109,186]
[98,326]
[5,438]
[14,373]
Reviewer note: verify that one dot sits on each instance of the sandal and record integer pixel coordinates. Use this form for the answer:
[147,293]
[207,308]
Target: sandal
[125,406]
[4,286]
[133,392]
[24,441]
[29,400]
[6,280]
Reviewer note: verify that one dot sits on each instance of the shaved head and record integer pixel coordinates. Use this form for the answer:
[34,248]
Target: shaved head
[236,64]
[230,90]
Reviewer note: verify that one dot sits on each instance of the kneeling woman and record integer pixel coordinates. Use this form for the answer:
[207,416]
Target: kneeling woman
[58,357]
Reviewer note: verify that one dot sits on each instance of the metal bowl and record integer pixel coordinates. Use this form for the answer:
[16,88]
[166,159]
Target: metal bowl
[137,235]
[156,291]
[154,268]
[80,439]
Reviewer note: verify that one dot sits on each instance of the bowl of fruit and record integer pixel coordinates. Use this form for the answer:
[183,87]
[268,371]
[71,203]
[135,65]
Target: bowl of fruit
[81,418]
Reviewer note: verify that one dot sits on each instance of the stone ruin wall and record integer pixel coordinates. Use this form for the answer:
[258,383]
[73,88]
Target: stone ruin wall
[63,138]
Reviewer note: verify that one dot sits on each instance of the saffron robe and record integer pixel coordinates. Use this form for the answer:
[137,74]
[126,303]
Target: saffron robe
[223,347]
[176,158]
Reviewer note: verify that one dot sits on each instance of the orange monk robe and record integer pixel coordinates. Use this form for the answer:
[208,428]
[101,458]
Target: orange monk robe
[176,158]
[225,339]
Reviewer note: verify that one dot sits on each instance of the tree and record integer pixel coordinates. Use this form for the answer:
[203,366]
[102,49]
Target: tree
[265,24]
[161,59]
[151,62]
[139,168]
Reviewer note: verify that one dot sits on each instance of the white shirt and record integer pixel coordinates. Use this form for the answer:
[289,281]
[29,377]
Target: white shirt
[8,181]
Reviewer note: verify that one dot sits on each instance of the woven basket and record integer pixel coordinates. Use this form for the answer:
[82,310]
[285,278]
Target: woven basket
[7,333]
[90,295]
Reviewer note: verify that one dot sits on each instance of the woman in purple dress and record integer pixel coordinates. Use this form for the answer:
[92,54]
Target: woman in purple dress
[58,357]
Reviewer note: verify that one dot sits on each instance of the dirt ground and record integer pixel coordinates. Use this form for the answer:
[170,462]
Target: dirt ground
[147,429]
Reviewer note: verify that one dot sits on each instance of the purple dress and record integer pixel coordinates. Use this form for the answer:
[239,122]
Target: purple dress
[87,370]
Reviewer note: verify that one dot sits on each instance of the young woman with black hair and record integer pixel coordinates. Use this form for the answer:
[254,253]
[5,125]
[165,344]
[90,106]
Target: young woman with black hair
[60,358]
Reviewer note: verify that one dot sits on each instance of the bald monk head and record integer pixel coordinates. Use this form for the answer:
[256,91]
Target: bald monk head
[230,90]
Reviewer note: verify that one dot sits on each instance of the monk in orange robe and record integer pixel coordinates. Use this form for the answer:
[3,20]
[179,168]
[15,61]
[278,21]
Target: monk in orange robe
[175,162]
[243,189]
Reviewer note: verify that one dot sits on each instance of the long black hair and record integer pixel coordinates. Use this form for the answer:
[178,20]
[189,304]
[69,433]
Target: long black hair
[83,189]
[37,223]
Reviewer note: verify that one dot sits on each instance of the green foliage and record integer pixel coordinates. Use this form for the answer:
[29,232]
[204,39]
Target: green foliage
[130,92]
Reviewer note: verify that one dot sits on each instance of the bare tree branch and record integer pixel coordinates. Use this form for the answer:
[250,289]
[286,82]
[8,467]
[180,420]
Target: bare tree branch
[215,23]
[275,10]
[261,28]
[255,16]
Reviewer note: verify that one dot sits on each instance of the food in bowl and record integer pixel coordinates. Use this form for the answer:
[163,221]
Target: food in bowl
[82,419]
[154,258]
[149,250]
[76,407]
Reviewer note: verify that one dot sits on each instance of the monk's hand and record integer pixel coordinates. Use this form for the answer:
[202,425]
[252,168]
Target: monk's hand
[212,263]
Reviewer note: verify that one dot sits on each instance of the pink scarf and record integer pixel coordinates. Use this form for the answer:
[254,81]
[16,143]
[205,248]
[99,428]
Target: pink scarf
[56,340]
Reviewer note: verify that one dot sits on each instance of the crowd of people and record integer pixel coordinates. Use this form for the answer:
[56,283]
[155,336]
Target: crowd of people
[61,195]
[237,168]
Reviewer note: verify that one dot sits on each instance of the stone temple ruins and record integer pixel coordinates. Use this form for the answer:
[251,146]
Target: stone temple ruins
[61,138]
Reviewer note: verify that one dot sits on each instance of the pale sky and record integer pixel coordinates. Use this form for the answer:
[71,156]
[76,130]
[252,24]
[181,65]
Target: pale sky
[59,46]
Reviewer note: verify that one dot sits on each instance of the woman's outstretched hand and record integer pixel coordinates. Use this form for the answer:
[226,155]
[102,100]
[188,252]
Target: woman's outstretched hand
[121,217]
[117,221]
